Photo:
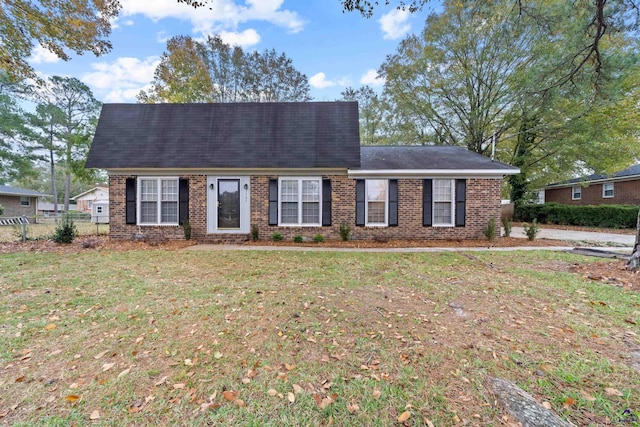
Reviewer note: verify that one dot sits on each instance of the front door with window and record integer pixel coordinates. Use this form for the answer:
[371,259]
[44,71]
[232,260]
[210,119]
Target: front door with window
[228,204]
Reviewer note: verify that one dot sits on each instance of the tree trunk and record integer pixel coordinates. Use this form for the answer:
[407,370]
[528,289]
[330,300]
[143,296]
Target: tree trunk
[67,188]
[54,189]
[634,262]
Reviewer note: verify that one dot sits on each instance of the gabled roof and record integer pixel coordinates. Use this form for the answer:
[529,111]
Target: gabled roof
[628,173]
[5,190]
[99,187]
[227,135]
[438,159]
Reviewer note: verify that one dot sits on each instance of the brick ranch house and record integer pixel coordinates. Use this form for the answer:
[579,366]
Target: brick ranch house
[19,202]
[292,168]
[620,188]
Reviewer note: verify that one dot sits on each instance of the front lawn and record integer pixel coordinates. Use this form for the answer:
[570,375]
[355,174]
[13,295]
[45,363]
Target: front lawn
[156,337]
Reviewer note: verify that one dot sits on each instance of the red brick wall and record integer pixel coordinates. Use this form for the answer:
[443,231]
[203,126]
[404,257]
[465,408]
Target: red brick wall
[483,203]
[624,193]
[12,207]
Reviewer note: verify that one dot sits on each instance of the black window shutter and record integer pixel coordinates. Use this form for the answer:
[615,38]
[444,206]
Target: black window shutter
[273,202]
[326,202]
[461,202]
[360,201]
[393,202]
[130,201]
[183,197]
[427,199]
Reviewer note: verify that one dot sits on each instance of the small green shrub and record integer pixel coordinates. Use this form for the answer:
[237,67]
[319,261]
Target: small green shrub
[66,230]
[507,224]
[186,227]
[276,237]
[318,238]
[345,231]
[532,230]
[255,233]
[297,239]
[490,231]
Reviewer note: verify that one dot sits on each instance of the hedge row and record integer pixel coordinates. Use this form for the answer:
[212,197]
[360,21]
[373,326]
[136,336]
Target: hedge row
[608,216]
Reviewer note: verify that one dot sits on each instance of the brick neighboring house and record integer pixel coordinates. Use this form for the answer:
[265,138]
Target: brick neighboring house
[292,168]
[19,202]
[620,188]
[84,201]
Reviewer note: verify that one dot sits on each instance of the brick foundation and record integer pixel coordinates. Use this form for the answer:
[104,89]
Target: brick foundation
[483,203]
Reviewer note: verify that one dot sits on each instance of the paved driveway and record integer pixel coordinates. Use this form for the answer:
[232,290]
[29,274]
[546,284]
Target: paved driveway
[577,236]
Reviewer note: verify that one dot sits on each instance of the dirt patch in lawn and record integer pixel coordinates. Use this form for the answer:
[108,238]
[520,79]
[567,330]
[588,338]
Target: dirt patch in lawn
[613,273]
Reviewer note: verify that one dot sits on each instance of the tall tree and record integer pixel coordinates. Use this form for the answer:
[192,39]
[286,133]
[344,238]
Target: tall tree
[80,26]
[372,113]
[70,107]
[213,71]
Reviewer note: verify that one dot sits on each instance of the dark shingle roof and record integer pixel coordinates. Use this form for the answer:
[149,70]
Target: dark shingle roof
[227,135]
[440,157]
[628,172]
[14,191]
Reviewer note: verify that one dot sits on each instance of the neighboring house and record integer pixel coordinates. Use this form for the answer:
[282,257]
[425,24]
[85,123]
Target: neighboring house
[19,202]
[291,168]
[84,201]
[620,188]
[46,209]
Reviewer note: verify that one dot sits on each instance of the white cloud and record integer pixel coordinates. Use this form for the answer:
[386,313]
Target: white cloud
[344,81]
[394,24]
[246,38]
[41,54]
[372,78]
[129,22]
[162,36]
[319,81]
[121,80]
[217,15]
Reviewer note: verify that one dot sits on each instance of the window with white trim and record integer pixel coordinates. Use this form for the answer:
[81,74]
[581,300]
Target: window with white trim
[158,201]
[300,201]
[576,193]
[25,201]
[443,193]
[377,199]
[607,190]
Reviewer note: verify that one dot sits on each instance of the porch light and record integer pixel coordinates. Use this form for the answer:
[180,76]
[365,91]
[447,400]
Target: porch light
[212,186]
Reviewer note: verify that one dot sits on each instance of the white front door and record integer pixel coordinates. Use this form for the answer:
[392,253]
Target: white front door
[228,204]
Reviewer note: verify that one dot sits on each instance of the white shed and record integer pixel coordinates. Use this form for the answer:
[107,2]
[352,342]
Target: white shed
[100,213]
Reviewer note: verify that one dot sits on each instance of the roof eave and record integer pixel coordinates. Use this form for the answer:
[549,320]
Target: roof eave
[446,173]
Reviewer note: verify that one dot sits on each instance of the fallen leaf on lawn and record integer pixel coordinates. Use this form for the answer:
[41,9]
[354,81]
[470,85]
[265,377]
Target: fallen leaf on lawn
[289,367]
[99,355]
[239,402]
[125,372]
[161,381]
[328,401]
[217,355]
[107,366]
[546,405]
[568,402]
[587,396]
[291,397]
[429,423]
[404,416]
[545,368]
[95,415]
[50,326]
[72,398]
[188,362]
[230,395]
[353,407]
[272,392]
[246,381]
[376,393]
[612,392]
[317,398]
[178,386]
[297,389]
[20,379]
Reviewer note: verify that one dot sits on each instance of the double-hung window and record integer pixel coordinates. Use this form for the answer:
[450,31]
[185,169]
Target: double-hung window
[443,193]
[300,201]
[158,201]
[607,190]
[25,201]
[376,202]
[576,193]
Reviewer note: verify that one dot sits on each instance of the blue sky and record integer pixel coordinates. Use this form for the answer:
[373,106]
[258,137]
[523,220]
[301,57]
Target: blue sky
[334,49]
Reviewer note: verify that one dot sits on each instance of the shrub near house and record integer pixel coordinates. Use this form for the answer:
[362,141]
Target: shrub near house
[296,169]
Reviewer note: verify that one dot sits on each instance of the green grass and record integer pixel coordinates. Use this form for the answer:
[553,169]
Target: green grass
[155,337]
[44,230]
